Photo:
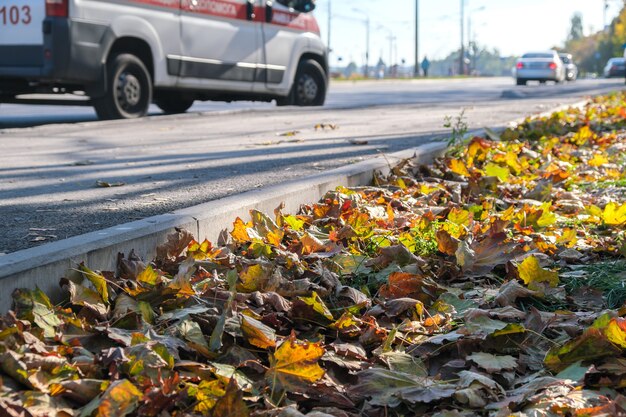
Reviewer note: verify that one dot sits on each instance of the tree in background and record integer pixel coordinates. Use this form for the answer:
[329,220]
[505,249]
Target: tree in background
[482,62]
[592,52]
[576,30]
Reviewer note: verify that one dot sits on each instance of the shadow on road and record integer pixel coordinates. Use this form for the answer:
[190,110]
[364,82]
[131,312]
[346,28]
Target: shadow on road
[11,122]
[216,174]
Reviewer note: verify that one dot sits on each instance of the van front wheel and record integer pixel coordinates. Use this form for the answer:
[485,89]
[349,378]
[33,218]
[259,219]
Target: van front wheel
[309,87]
[129,89]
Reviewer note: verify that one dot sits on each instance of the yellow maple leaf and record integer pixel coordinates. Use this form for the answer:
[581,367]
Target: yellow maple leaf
[318,305]
[98,281]
[148,276]
[598,160]
[295,361]
[533,274]
[614,215]
[458,167]
[568,238]
[427,189]
[253,277]
[583,135]
[207,394]
[547,218]
[200,251]
[616,332]
[347,323]
[514,162]
[459,216]
[507,215]
[495,170]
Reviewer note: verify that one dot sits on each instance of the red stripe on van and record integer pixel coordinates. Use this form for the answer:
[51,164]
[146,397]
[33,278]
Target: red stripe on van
[233,9]
[169,4]
[220,8]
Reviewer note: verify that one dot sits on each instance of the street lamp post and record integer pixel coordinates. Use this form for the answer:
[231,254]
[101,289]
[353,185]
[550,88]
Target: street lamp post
[390,37]
[416,70]
[330,19]
[462,57]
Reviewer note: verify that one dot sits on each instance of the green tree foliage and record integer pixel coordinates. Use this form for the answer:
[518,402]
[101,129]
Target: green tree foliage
[593,51]
[576,30]
[482,61]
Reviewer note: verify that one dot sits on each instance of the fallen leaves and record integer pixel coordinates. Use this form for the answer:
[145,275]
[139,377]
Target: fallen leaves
[489,283]
[534,275]
[120,399]
[109,184]
[295,362]
[492,363]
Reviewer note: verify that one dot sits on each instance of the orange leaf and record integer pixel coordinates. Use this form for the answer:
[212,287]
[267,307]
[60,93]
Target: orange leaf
[458,167]
[477,150]
[446,243]
[257,333]
[403,284]
[120,399]
[240,231]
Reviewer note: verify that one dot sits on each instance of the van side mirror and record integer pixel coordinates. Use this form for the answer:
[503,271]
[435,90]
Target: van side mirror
[303,6]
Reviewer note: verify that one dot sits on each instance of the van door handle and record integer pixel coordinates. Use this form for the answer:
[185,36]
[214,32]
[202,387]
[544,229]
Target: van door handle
[269,11]
[250,9]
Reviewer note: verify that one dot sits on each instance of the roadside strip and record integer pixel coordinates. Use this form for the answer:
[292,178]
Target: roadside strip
[43,266]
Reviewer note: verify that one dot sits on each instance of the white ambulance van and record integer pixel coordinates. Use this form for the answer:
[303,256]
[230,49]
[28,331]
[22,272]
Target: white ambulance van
[125,54]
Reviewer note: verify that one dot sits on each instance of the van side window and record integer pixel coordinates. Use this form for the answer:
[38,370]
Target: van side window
[288,3]
[299,5]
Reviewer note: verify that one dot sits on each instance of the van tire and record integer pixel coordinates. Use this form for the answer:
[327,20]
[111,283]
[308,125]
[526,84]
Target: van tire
[129,89]
[172,103]
[309,86]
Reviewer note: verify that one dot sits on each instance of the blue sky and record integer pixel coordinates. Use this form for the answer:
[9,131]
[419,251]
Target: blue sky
[512,26]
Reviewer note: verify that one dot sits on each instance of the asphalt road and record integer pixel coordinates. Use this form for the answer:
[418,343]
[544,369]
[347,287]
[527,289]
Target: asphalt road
[53,157]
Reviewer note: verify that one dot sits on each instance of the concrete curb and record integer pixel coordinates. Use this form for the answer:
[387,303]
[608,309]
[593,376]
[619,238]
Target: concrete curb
[43,266]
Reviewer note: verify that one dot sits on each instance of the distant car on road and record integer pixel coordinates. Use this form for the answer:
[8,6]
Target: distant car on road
[540,66]
[571,70]
[615,67]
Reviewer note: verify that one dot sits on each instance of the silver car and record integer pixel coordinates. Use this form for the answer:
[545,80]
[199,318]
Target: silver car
[540,66]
